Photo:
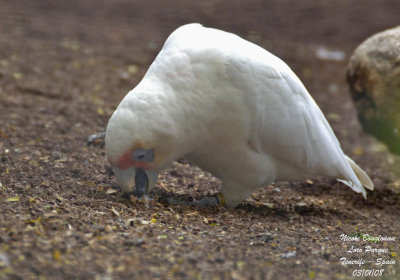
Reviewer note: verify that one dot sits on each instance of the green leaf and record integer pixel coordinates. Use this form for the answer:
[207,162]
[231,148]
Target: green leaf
[12,199]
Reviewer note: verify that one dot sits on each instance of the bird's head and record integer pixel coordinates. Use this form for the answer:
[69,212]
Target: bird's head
[138,145]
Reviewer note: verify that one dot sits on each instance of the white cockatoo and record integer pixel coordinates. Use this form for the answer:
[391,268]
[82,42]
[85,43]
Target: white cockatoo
[229,107]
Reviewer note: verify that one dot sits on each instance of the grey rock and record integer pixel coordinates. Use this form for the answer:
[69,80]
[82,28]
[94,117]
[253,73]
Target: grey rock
[373,75]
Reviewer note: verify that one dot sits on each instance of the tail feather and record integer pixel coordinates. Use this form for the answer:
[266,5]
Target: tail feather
[362,177]
[357,189]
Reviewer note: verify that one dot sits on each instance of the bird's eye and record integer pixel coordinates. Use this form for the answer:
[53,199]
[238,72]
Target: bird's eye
[143,155]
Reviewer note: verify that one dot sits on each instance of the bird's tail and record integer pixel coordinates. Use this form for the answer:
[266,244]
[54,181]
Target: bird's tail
[361,176]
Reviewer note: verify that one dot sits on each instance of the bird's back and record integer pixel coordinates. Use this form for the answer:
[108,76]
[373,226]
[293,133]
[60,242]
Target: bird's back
[282,120]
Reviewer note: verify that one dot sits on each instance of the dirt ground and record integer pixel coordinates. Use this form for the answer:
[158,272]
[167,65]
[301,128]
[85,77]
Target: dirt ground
[65,66]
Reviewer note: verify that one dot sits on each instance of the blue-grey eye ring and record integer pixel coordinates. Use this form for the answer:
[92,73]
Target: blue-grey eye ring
[141,154]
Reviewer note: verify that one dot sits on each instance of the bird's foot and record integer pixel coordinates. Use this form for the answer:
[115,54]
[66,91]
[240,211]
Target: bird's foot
[96,138]
[207,201]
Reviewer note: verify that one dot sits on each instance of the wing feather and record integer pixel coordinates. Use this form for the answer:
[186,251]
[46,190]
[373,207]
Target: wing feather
[286,122]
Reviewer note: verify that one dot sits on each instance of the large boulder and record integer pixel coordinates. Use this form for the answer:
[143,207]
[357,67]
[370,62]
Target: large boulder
[374,78]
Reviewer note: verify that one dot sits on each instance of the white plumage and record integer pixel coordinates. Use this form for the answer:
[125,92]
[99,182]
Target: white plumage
[233,109]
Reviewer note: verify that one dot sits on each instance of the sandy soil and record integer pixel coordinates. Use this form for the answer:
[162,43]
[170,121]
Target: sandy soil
[64,67]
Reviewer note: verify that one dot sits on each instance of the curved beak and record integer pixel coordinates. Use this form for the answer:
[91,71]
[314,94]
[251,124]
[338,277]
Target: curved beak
[145,180]
[136,180]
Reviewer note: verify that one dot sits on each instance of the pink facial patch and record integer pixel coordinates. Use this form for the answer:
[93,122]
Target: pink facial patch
[126,161]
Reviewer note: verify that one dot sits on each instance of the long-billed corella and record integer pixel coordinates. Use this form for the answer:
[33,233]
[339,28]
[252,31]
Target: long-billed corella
[229,107]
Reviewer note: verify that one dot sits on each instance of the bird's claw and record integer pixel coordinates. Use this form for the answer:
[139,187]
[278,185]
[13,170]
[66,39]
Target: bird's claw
[96,138]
